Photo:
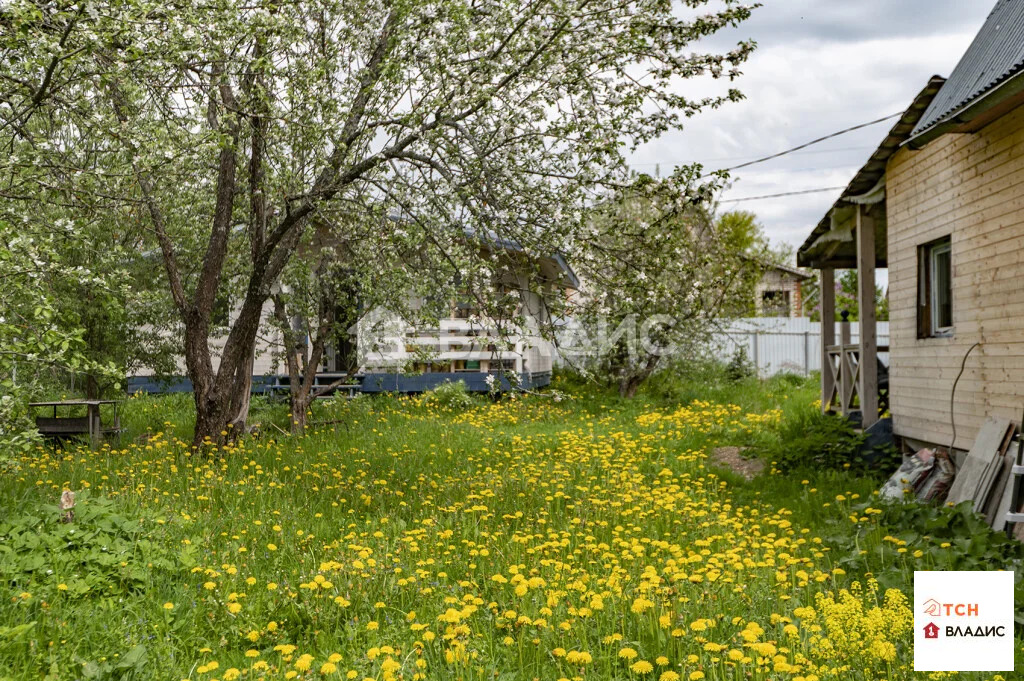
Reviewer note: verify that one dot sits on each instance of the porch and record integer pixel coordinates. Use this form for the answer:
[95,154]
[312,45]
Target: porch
[854,382]
[841,391]
[853,235]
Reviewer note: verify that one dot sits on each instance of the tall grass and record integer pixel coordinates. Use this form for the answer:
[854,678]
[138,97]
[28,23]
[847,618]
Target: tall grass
[411,538]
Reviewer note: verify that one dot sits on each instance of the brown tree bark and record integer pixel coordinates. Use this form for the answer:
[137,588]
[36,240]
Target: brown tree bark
[303,362]
[222,395]
[631,382]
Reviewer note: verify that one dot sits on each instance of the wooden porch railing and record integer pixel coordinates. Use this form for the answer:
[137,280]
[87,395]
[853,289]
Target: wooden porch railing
[844,365]
[849,372]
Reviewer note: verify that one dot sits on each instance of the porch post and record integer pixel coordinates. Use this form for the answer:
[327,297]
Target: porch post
[827,292]
[868,343]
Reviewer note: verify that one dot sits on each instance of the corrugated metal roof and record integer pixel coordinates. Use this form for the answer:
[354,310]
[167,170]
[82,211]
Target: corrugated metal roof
[873,170]
[996,54]
[492,237]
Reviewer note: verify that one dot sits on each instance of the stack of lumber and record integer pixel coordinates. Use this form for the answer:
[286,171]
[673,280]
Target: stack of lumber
[984,477]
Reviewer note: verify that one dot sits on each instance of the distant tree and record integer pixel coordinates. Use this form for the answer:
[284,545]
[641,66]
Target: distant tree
[102,278]
[323,295]
[747,235]
[846,298]
[125,316]
[312,312]
[661,275]
[39,347]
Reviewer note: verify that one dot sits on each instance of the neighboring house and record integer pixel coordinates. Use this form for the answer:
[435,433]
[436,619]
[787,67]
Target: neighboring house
[939,203]
[780,292]
[387,354]
[467,346]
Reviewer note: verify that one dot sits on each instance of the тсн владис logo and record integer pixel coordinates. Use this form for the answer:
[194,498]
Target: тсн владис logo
[963,621]
[934,608]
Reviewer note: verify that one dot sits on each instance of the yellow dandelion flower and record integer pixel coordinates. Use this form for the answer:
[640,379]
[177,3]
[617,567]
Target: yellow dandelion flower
[641,667]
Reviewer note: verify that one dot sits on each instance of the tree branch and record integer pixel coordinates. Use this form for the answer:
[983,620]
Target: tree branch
[216,250]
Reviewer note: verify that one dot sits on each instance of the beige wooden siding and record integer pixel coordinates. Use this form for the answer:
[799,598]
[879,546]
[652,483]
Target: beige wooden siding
[969,187]
[268,345]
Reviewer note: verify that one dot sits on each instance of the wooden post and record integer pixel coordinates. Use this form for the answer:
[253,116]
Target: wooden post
[847,384]
[93,413]
[868,340]
[757,354]
[807,352]
[828,334]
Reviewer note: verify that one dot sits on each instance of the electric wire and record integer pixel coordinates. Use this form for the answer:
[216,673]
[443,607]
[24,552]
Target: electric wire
[773,196]
[952,394]
[806,144]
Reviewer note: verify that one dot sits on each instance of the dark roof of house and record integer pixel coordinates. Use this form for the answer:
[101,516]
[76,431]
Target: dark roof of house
[996,55]
[493,238]
[872,171]
[793,271]
[767,266]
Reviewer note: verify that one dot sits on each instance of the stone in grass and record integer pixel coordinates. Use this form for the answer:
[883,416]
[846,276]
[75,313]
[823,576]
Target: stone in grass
[732,458]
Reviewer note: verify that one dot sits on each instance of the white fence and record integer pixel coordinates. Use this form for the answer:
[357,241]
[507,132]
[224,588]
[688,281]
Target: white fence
[775,345]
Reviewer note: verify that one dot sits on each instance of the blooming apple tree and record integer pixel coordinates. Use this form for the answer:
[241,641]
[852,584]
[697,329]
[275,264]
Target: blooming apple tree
[228,129]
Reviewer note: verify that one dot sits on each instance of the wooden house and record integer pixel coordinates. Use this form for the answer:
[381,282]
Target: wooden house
[405,357]
[940,203]
[780,292]
[467,346]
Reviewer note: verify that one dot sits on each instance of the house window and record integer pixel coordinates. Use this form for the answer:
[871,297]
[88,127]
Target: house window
[775,303]
[935,289]
[502,365]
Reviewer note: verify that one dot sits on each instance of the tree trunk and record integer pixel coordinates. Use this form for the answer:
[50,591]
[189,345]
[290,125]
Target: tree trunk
[92,387]
[628,386]
[299,388]
[630,382]
[225,393]
[300,408]
[298,392]
[241,397]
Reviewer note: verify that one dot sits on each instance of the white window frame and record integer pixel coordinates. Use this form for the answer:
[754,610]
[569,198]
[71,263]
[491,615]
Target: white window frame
[936,250]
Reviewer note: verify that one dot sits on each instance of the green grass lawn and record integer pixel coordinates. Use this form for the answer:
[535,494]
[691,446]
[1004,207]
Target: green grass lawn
[526,539]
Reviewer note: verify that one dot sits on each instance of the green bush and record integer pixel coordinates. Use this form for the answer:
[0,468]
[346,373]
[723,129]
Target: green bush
[809,439]
[787,379]
[740,367]
[940,537]
[449,396]
[977,546]
[682,381]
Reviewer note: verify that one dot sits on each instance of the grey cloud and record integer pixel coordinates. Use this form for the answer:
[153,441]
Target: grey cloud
[830,21]
[819,67]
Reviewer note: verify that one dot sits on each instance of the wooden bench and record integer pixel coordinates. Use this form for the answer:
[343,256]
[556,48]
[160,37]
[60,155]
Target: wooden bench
[62,426]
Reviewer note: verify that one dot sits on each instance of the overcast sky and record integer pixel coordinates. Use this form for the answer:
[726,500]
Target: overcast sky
[820,66]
